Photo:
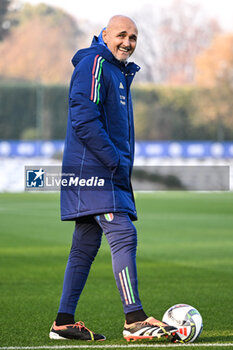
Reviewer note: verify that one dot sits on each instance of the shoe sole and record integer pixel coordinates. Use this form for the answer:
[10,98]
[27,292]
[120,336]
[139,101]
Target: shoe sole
[137,337]
[140,337]
[55,336]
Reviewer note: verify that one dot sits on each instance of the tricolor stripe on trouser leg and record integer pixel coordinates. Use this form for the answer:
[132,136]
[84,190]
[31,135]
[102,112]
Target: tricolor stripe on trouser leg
[96,73]
[126,286]
[123,288]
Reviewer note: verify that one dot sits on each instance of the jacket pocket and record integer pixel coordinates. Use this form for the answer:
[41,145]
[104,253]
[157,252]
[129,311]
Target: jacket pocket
[121,176]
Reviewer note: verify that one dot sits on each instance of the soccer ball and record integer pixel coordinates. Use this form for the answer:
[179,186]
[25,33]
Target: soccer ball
[188,321]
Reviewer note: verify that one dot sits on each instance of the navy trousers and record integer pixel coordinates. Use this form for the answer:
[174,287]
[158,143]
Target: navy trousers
[122,238]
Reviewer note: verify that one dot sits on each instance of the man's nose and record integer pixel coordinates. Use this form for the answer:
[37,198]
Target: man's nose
[126,41]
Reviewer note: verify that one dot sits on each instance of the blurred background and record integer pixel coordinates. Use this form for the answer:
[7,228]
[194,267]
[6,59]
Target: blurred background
[182,96]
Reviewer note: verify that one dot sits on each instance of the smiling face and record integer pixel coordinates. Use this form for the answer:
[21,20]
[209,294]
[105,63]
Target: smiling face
[121,37]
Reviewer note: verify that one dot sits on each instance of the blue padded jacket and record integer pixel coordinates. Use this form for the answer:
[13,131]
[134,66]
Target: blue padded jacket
[100,135]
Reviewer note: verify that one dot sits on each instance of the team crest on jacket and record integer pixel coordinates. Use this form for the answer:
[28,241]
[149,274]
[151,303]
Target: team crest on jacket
[109,217]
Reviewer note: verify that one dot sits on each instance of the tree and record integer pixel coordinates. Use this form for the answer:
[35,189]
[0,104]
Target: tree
[148,44]
[214,65]
[4,24]
[184,32]
[171,41]
[40,45]
[214,74]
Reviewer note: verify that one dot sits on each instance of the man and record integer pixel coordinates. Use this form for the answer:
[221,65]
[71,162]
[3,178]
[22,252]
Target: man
[100,144]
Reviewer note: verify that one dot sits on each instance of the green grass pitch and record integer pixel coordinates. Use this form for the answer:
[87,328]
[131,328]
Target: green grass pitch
[185,255]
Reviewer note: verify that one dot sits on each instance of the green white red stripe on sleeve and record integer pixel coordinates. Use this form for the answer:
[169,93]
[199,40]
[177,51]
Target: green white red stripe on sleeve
[96,73]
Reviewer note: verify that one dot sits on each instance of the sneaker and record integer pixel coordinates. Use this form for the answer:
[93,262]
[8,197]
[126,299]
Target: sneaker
[76,331]
[148,329]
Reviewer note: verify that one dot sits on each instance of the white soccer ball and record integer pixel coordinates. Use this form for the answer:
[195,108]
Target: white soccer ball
[188,321]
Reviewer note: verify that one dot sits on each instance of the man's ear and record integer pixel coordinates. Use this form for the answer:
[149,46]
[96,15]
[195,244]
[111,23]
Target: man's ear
[104,36]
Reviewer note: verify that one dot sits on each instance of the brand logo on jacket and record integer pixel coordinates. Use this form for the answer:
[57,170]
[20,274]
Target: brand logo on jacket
[121,86]
[122,99]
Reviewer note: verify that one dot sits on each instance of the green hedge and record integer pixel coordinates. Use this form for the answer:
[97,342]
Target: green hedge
[168,113]
[26,107]
[161,113]
[17,110]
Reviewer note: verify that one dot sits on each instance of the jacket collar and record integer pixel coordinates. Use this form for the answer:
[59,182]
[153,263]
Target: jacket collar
[107,54]
[101,49]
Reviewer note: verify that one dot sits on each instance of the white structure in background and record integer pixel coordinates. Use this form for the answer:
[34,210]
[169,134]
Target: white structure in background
[167,156]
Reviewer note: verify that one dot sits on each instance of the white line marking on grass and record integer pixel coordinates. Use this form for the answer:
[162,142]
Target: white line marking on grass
[114,346]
